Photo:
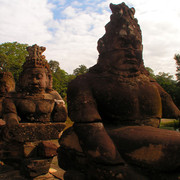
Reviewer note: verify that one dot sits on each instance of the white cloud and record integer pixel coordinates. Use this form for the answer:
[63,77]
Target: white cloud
[72,37]
[24,21]
[161,33]
[58,2]
[76,39]
[76,3]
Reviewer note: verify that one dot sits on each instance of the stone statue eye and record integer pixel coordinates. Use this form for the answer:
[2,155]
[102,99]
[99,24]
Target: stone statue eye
[39,76]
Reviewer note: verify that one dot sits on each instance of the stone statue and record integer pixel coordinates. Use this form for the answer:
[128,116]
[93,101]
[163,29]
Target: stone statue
[117,108]
[7,84]
[35,100]
[34,116]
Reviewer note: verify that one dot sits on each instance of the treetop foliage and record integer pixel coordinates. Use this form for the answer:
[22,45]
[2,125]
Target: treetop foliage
[80,70]
[177,59]
[12,57]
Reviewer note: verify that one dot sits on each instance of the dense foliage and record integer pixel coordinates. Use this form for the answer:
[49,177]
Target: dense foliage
[80,70]
[177,59]
[168,84]
[60,78]
[12,57]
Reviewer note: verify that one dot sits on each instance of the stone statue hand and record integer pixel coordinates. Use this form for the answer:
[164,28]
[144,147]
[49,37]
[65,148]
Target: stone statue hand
[59,113]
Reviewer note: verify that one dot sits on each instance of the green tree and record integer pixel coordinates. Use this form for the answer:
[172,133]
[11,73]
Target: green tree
[168,84]
[60,78]
[80,70]
[54,65]
[177,58]
[151,72]
[12,57]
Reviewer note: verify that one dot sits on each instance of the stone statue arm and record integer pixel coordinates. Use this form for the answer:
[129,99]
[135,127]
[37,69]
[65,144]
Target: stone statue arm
[93,138]
[59,113]
[10,113]
[169,109]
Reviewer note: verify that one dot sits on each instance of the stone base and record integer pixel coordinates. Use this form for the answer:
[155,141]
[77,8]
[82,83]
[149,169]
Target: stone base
[35,167]
[10,173]
[29,132]
[30,147]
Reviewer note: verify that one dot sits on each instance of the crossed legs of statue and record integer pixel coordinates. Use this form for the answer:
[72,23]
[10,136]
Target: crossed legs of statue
[144,149]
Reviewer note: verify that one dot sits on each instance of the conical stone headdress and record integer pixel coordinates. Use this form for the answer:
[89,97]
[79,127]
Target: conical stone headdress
[122,32]
[35,58]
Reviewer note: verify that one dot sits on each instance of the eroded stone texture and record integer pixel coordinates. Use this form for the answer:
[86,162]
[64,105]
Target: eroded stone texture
[34,117]
[7,84]
[30,132]
[117,108]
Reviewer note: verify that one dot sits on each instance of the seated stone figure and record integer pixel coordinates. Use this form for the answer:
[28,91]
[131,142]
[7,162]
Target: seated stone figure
[34,116]
[7,84]
[116,108]
[35,100]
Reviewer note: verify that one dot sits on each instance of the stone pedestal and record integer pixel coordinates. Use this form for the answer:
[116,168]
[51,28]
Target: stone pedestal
[30,147]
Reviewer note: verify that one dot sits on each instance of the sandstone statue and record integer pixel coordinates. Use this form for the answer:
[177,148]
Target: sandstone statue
[35,100]
[116,108]
[34,116]
[7,84]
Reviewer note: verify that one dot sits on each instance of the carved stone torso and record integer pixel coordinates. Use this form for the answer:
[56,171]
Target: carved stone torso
[129,101]
[34,110]
[118,100]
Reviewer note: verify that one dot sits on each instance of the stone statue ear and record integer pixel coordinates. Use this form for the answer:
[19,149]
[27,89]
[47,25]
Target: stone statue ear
[49,83]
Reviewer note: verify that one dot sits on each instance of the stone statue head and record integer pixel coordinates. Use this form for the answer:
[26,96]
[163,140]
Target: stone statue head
[36,76]
[121,45]
[7,83]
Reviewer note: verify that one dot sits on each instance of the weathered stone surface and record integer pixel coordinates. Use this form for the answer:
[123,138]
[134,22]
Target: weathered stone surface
[144,146]
[104,172]
[117,92]
[33,168]
[11,150]
[9,173]
[29,132]
[69,139]
[47,149]
[69,159]
[70,153]
[74,175]
[148,147]
[2,123]
[7,84]
[34,115]
[35,100]
[30,149]
[97,144]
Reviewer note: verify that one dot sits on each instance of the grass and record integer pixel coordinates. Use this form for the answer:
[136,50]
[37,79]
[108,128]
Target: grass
[171,124]
[69,123]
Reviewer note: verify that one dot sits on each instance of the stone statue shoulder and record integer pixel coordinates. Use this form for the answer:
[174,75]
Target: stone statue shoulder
[55,95]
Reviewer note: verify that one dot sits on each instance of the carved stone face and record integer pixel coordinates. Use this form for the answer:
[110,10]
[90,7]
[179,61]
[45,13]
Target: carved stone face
[122,42]
[35,80]
[125,60]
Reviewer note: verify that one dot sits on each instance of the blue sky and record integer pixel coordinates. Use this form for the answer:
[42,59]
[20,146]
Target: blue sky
[70,29]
